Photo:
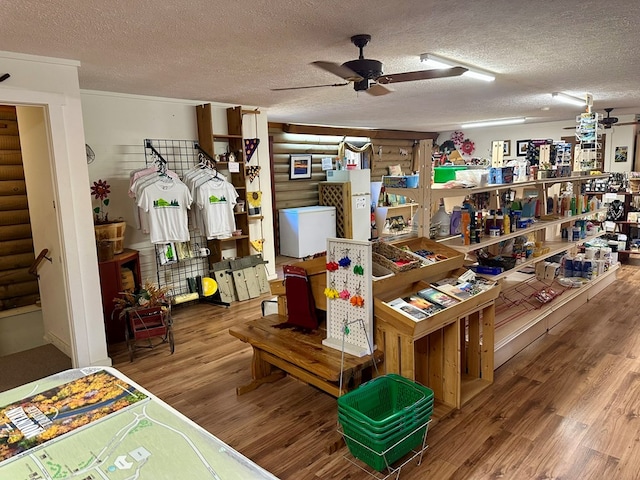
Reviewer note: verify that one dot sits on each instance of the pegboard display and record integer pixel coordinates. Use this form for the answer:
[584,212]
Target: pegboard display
[349,297]
[179,156]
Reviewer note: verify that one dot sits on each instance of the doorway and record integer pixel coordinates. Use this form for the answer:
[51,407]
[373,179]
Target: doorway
[46,323]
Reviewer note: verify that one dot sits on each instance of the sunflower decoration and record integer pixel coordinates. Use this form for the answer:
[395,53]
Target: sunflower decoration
[101,190]
[255,201]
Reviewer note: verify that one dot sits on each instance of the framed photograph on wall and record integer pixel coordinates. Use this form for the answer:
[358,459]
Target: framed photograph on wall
[506,150]
[621,154]
[299,166]
[521,146]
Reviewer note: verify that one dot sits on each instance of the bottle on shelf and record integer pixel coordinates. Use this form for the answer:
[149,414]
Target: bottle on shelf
[465,226]
[506,223]
[456,217]
[441,220]
[489,222]
[499,221]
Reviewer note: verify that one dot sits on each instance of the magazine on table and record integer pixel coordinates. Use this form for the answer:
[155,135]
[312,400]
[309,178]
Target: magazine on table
[437,297]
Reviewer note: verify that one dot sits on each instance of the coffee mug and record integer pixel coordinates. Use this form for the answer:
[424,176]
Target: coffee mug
[205,252]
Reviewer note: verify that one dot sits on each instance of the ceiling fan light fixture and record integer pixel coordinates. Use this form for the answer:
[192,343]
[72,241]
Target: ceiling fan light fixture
[569,99]
[494,123]
[434,61]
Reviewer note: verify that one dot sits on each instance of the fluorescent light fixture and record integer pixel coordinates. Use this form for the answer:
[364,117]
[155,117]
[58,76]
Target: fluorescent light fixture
[570,99]
[434,61]
[494,123]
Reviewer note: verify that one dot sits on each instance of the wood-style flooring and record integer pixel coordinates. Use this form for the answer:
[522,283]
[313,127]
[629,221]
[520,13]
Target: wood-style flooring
[566,407]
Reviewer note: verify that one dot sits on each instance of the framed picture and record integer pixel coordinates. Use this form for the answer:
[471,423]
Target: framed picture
[299,166]
[621,154]
[506,151]
[521,146]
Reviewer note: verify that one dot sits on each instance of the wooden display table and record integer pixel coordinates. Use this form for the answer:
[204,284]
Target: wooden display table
[451,352]
[280,350]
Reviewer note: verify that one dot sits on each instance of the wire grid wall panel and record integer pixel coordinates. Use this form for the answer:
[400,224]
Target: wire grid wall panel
[181,156]
[349,326]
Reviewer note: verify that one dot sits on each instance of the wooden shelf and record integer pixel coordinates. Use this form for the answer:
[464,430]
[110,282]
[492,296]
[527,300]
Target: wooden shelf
[255,217]
[454,242]
[513,336]
[555,246]
[442,192]
[400,205]
[229,239]
[224,136]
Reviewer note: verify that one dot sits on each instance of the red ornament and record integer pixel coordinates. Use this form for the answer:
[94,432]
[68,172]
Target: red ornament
[468,147]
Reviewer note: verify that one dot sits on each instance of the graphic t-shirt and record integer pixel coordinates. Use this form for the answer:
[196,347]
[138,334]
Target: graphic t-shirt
[216,199]
[167,205]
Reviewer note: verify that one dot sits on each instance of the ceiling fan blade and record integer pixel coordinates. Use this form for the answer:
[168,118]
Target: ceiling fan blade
[309,86]
[421,75]
[377,90]
[339,70]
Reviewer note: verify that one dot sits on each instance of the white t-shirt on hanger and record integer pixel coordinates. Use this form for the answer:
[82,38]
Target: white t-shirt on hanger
[167,204]
[217,198]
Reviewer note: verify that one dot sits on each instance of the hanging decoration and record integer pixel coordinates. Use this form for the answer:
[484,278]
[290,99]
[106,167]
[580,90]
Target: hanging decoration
[252,171]
[457,137]
[468,147]
[255,201]
[250,146]
[257,244]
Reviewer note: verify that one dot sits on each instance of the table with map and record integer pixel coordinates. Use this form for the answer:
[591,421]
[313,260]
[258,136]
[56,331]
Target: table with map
[96,424]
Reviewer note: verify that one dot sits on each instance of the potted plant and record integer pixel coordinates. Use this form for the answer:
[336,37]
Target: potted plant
[109,233]
[146,310]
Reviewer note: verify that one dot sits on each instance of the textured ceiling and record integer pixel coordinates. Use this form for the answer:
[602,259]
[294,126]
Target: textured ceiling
[236,52]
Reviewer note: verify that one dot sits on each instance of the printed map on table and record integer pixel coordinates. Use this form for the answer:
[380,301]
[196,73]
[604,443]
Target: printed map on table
[99,427]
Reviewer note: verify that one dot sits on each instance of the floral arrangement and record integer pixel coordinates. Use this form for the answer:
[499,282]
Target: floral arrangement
[150,295]
[101,190]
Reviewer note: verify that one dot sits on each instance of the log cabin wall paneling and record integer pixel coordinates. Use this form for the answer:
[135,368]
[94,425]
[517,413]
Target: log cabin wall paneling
[288,193]
[17,287]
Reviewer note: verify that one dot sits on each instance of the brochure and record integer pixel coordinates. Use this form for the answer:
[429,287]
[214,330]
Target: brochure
[461,290]
[437,297]
[406,309]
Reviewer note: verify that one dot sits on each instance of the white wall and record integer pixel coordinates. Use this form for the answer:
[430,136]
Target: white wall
[115,128]
[34,141]
[616,136]
[53,84]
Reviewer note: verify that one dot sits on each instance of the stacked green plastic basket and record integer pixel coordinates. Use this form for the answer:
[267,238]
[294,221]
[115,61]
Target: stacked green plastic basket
[385,419]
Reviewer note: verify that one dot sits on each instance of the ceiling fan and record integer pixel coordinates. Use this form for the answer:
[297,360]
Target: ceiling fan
[366,74]
[609,121]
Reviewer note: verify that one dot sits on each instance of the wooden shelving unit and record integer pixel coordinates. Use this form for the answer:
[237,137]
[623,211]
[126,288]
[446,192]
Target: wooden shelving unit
[522,328]
[234,143]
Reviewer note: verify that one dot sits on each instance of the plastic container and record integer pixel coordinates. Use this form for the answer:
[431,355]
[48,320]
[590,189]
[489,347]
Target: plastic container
[442,219]
[445,173]
[456,219]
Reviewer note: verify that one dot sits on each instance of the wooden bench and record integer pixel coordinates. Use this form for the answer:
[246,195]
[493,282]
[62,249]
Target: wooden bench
[302,355]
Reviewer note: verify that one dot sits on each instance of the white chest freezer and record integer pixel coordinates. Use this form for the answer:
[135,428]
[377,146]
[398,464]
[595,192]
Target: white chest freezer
[304,230]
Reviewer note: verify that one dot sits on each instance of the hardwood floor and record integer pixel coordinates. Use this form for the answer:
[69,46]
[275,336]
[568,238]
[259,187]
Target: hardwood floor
[566,407]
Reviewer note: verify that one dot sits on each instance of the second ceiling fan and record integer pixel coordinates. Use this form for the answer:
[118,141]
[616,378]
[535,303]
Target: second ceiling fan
[367,74]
